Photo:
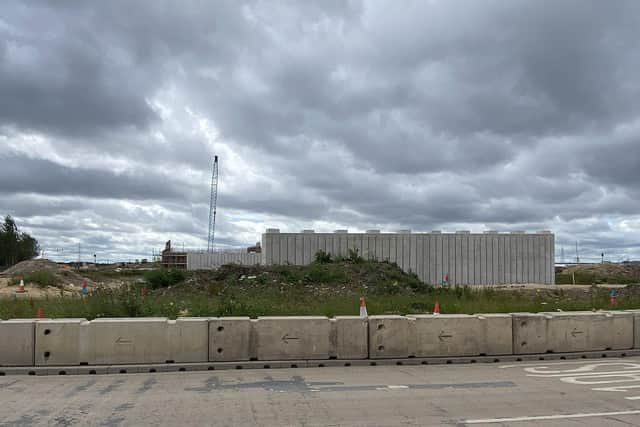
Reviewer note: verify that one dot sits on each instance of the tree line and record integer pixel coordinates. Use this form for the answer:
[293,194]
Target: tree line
[15,246]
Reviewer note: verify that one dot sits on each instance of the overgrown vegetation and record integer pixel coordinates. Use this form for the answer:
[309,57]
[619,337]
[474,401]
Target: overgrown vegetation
[326,287]
[164,278]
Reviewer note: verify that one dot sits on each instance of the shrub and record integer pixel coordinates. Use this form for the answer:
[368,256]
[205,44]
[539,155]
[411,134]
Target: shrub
[354,257]
[164,278]
[323,257]
[40,278]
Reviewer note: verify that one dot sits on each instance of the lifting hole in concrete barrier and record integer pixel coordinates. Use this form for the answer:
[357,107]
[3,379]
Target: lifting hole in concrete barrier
[238,366]
[169,361]
[220,328]
[123,371]
[181,369]
[210,368]
[333,357]
[449,362]
[321,365]
[523,324]
[523,343]
[84,363]
[483,354]
[253,359]
[152,370]
[623,355]
[267,367]
[584,356]
[473,360]
[380,326]
[540,358]
[92,372]
[608,348]
[412,356]
[399,363]
[47,331]
[219,350]
[347,364]
[549,351]
[294,366]
[373,363]
[2,374]
[519,359]
[563,358]
[380,348]
[604,355]
[424,362]
[47,354]
[62,373]
[496,360]
[32,372]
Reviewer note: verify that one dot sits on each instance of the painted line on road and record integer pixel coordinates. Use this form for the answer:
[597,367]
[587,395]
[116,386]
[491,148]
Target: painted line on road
[549,417]
[547,363]
[633,398]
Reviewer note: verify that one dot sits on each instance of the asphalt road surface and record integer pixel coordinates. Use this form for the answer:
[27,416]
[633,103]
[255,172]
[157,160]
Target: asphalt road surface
[561,393]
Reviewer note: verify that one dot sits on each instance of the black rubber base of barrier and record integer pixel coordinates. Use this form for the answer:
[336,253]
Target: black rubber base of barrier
[216,366]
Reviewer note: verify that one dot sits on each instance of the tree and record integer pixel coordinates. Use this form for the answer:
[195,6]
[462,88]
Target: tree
[14,245]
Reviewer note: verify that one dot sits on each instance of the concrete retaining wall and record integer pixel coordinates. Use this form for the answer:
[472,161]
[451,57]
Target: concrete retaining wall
[462,258]
[210,260]
[234,339]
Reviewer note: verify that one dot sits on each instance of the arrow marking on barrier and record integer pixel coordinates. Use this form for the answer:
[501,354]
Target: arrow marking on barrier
[121,340]
[576,332]
[286,338]
[442,336]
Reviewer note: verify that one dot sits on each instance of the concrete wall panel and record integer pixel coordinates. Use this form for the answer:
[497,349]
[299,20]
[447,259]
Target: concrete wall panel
[188,340]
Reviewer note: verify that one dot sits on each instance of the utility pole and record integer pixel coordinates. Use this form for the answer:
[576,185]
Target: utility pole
[213,202]
[577,255]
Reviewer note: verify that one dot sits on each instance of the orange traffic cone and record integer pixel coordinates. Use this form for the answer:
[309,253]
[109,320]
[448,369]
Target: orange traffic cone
[363,308]
[20,288]
[436,308]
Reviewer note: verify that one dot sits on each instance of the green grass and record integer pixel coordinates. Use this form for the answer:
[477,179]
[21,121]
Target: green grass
[41,279]
[132,302]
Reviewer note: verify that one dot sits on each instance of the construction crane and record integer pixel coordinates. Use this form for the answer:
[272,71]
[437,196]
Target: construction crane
[213,201]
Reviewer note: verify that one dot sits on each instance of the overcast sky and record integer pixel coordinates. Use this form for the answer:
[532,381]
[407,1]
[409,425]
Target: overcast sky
[421,115]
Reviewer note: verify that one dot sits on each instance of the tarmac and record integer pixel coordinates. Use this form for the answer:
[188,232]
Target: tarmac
[592,392]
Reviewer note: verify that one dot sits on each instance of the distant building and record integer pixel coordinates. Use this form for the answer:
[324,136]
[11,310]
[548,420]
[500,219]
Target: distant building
[171,259]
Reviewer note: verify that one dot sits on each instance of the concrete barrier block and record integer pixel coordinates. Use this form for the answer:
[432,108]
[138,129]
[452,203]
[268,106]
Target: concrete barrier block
[188,340]
[622,330]
[636,327]
[293,338]
[17,342]
[496,334]
[61,342]
[581,331]
[351,337]
[229,339]
[530,333]
[446,335]
[128,340]
[388,337]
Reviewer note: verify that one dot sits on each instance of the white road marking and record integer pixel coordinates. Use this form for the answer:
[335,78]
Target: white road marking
[540,363]
[395,387]
[549,417]
[582,370]
[632,397]
[585,374]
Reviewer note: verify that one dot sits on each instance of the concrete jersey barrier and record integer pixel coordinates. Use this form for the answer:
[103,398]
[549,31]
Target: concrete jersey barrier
[68,342]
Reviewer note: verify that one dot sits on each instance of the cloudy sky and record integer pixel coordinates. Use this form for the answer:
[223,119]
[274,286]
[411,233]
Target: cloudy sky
[422,115]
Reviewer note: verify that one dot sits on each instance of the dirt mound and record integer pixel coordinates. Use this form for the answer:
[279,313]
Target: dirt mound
[33,266]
